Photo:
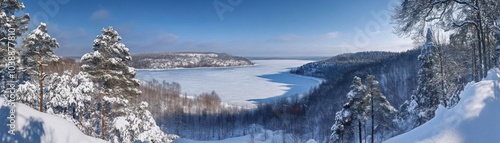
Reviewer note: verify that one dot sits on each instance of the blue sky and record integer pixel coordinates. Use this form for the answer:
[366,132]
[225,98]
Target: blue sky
[239,27]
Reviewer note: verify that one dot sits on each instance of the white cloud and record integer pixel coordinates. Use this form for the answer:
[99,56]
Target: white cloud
[330,35]
[100,15]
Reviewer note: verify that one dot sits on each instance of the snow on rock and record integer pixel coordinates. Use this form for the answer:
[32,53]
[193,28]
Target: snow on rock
[474,119]
[35,127]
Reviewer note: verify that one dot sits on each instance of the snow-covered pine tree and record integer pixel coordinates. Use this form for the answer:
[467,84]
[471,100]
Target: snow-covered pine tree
[108,67]
[426,99]
[38,51]
[382,112]
[342,129]
[15,23]
[139,126]
[8,20]
[68,96]
[354,111]
[29,91]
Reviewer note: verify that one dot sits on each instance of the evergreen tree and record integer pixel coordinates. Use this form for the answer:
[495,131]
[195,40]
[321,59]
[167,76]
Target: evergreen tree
[39,45]
[342,129]
[138,126]
[354,111]
[30,91]
[382,112]
[8,22]
[429,94]
[12,25]
[108,67]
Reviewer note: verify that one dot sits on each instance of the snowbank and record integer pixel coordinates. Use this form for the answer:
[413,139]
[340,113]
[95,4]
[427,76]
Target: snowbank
[36,127]
[474,119]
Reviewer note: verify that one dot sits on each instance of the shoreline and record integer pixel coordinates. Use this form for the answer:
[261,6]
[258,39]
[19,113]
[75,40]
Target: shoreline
[197,68]
[254,64]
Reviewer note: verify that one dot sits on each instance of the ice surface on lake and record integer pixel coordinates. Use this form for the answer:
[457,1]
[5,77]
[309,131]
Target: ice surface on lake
[269,78]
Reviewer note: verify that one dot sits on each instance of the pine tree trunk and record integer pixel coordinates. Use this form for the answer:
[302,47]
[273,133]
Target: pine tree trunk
[474,63]
[359,131]
[80,118]
[485,51]
[479,64]
[480,50]
[103,124]
[40,77]
[480,38]
[341,137]
[364,128]
[177,126]
[373,120]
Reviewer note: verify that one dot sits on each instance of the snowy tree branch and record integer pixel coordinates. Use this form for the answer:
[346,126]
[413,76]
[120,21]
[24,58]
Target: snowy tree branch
[464,2]
[439,17]
[468,3]
[463,23]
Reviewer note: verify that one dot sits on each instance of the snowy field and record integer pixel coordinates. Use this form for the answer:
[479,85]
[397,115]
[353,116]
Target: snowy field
[241,85]
[475,119]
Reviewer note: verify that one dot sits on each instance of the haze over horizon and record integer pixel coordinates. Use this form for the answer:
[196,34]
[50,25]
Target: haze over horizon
[256,28]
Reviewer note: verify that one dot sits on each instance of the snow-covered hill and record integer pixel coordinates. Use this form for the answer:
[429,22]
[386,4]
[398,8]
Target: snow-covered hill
[342,63]
[169,60]
[32,126]
[475,119]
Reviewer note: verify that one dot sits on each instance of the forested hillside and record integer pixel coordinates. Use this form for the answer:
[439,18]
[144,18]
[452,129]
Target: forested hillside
[397,74]
[170,60]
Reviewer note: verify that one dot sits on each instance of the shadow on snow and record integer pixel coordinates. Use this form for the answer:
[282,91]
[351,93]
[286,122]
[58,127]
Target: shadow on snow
[295,83]
[31,133]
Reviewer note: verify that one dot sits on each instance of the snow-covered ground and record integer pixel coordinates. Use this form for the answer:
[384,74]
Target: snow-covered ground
[32,126]
[262,136]
[475,119]
[267,79]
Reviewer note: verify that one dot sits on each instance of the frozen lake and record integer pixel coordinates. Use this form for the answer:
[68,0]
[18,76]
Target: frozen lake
[266,80]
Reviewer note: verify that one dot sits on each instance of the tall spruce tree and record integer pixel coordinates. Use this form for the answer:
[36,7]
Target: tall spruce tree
[429,94]
[108,67]
[382,112]
[38,51]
